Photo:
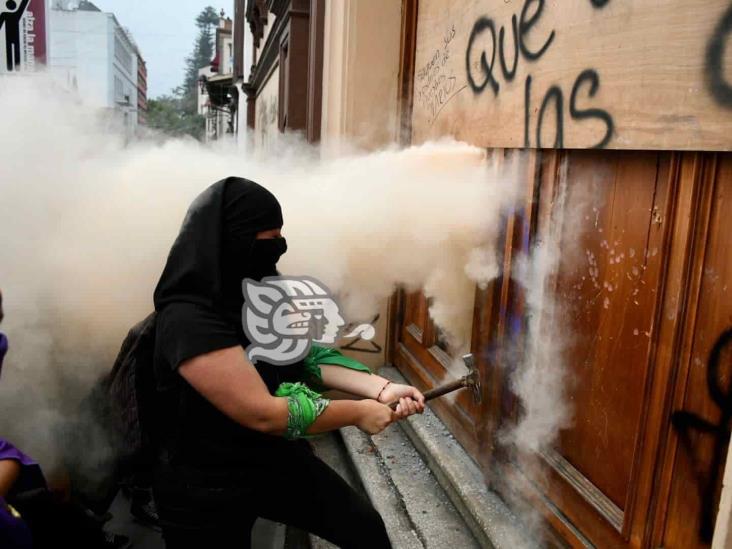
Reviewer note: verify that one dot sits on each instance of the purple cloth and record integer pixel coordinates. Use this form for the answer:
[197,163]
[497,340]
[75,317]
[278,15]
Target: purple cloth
[14,532]
[8,451]
[31,477]
[3,349]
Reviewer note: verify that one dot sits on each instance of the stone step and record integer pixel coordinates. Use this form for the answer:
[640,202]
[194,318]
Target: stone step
[378,486]
[428,490]
[416,509]
[490,520]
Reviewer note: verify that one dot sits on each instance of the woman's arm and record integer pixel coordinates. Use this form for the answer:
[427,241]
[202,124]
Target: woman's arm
[357,383]
[230,382]
[373,386]
[9,473]
[368,415]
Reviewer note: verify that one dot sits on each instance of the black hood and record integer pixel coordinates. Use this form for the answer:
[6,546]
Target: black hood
[214,249]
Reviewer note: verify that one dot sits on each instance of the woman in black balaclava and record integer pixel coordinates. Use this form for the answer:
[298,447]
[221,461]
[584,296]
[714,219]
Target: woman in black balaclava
[224,459]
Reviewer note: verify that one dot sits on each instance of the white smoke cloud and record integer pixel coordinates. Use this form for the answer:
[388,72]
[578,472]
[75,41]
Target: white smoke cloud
[87,219]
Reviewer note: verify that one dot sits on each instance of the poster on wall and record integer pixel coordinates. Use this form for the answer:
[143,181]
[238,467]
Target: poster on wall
[22,35]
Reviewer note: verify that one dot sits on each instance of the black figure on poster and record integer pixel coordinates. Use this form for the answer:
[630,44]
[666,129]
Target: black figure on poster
[10,20]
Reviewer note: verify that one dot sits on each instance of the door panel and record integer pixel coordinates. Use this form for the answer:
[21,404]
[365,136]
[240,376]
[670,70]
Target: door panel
[609,285]
[703,396]
[425,362]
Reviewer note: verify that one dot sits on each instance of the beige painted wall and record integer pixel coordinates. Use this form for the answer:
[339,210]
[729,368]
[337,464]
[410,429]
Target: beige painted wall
[360,72]
[360,83]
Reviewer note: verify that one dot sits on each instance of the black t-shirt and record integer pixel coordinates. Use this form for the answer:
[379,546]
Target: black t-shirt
[194,430]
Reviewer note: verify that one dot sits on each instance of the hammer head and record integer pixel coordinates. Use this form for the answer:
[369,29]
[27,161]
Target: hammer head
[472,380]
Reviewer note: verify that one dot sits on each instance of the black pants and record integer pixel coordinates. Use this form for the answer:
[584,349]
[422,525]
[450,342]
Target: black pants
[216,507]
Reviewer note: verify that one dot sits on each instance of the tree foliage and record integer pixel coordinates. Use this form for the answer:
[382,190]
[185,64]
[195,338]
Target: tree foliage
[167,115]
[201,56]
[177,114]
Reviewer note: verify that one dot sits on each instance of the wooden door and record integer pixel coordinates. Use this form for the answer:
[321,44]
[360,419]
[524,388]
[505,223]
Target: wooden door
[606,211]
[642,284]
[425,361]
[642,280]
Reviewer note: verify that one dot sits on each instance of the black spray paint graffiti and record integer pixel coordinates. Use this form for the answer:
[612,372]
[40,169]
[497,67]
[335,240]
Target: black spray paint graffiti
[684,422]
[591,76]
[10,21]
[436,85]
[720,89]
[521,28]
[520,35]
[599,3]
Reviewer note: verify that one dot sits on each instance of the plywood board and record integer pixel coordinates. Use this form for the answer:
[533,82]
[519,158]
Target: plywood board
[622,74]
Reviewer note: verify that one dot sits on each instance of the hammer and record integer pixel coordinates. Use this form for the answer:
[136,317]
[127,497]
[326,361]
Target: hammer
[470,381]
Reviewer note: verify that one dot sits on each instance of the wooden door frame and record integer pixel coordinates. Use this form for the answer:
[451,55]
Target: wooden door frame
[405,94]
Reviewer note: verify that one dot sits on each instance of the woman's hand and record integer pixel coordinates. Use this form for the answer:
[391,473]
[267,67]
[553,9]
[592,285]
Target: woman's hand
[411,401]
[374,417]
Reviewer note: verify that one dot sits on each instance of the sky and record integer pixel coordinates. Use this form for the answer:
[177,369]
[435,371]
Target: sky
[164,31]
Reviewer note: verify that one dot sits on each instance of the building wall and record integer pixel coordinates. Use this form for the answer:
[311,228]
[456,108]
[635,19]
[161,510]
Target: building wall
[80,53]
[360,72]
[215,121]
[124,75]
[220,97]
[141,90]
[266,130]
[243,40]
[226,51]
[361,45]
[90,54]
[271,18]
[285,84]
[202,95]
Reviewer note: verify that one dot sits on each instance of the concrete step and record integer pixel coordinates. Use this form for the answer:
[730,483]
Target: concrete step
[489,519]
[414,506]
[428,490]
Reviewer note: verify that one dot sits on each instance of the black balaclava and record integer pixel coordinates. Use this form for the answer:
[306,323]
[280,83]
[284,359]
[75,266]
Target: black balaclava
[217,247]
[247,211]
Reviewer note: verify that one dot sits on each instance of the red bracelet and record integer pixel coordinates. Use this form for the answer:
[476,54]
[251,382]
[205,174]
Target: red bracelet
[382,390]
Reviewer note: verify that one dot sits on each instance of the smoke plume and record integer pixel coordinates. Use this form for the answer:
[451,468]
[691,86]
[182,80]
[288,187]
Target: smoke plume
[87,219]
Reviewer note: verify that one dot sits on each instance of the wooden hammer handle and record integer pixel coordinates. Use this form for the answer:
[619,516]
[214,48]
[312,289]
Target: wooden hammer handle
[438,391]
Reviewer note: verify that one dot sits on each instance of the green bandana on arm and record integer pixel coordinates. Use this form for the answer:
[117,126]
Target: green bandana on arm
[304,406]
[326,355]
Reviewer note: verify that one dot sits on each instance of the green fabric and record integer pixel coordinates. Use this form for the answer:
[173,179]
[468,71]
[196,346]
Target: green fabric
[304,406]
[326,355]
